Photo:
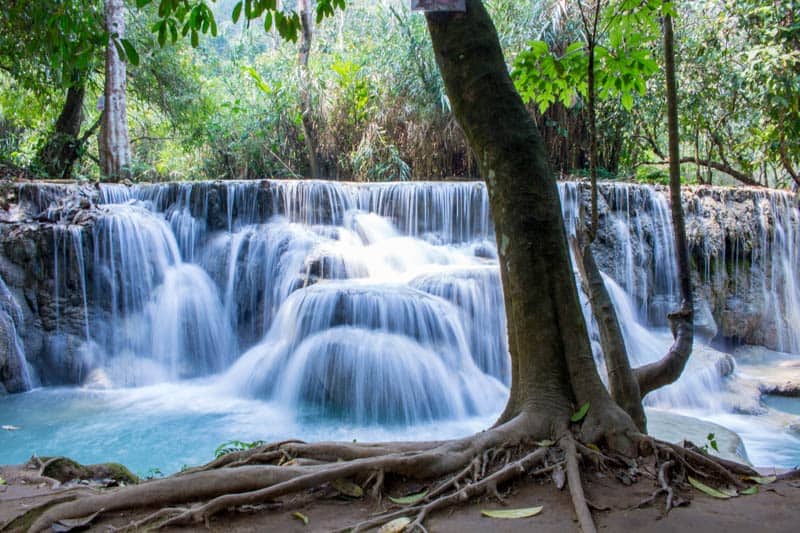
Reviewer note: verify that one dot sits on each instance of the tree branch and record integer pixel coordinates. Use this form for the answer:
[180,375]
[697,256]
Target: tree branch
[716,165]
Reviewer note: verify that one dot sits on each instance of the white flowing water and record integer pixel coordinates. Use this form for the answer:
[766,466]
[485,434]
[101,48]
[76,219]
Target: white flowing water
[312,309]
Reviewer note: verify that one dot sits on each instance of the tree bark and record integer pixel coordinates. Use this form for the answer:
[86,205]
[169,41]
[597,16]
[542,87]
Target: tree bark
[60,151]
[622,383]
[553,371]
[590,28]
[115,149]
[670,367]
[305,92]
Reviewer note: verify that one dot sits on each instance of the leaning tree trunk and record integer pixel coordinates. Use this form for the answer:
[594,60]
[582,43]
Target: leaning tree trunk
[115,149]
[305,91]
[60,151]
[552,366]
[622,383]
[670,367]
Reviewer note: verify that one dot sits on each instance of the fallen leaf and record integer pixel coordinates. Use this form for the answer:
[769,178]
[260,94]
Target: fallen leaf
[513,513]
[702,487]
[762,480]
[64,525]
[300,516]
[398,525]
[580,413]
[750,491]
[411,499]
[2,481]
[10,428]
[593,447]
[348,488]
[545,443]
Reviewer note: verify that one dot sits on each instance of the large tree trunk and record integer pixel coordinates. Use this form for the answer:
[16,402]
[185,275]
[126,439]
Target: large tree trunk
[553,371]
[305,91]
[60,151]
[115,149]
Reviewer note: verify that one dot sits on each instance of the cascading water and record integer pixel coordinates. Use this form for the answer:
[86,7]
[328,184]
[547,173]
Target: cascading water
[19,375]
[367,306]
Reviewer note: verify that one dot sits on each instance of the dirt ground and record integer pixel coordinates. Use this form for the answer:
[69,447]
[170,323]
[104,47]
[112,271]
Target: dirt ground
[776,508]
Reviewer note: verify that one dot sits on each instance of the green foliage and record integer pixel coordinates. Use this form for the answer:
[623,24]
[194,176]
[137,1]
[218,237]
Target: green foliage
[236,446]
[648,174]
[623,59]
[153,473]
[193,17]
[580,414]
[214,86]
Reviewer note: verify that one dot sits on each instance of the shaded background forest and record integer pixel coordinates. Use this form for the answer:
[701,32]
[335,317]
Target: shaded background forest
[231,106]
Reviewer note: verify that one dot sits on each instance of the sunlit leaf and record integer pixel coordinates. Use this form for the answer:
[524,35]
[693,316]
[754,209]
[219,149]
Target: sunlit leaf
[398,525]
[300,516]
[762,480]
[750,491]
[411,499]
[580,414]
[513,513]
[347,488]
[702,487]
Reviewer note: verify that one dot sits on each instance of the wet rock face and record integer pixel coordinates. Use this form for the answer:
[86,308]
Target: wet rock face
[740,242]
[49,294]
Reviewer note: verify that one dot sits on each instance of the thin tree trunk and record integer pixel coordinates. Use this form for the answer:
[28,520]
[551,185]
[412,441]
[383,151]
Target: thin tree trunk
[622,384]
[670,367]
[115,149]
[60,152]
[553,371]
[590,28]
[305,92]
[592,142]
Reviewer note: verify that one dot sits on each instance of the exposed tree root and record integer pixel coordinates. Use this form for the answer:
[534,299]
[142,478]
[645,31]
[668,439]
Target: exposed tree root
[456,471]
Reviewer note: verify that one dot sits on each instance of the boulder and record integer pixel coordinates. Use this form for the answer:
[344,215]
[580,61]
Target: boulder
[677,428]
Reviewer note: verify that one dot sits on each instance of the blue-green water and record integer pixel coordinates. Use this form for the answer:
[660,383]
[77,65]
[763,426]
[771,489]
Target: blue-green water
[784,404]
[168,426]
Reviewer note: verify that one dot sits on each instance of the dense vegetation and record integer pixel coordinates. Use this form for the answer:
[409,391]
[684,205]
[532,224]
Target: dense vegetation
[232,106]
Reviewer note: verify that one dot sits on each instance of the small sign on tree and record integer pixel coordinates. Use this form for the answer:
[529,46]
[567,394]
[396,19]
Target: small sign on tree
[438,5]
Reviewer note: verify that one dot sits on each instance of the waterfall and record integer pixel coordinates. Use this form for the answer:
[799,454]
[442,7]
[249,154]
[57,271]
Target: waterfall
[15,375]
[382,303]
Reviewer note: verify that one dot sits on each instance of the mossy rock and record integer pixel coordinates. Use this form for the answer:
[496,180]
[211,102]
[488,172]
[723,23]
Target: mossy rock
[64,469]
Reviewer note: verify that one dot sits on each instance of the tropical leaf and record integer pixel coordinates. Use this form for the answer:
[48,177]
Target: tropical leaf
[580,414]
[398,525]
[411,499]
[525,512]
[762,480]
[347,488]
[702,487]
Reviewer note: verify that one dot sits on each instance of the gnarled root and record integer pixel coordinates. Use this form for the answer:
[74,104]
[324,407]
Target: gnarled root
[235,482]
[460,470]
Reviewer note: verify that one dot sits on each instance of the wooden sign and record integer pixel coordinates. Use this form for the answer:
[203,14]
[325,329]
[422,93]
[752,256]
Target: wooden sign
[438,5]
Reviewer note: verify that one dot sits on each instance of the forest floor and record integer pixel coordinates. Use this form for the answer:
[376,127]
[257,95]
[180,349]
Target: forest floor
[776,508]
